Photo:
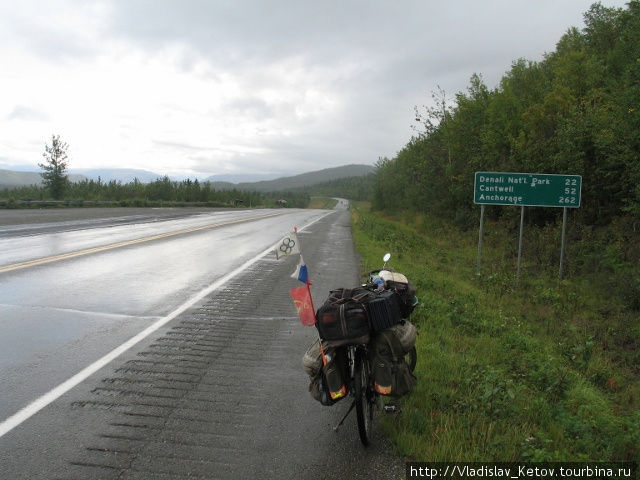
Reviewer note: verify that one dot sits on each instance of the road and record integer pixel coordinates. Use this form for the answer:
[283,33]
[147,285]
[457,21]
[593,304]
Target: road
[213,389]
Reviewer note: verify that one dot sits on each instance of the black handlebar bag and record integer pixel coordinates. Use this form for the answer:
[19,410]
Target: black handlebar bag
[384,310]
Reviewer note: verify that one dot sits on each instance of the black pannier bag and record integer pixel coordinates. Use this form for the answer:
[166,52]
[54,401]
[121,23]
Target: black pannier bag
[326,382]
[342,319]
[391,374]
[384,310]
[333,375]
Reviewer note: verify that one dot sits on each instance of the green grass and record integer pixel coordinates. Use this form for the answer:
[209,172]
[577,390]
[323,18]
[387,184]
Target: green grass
[507,372]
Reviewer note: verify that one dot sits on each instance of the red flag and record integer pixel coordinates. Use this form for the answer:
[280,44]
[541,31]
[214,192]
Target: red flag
[304,304]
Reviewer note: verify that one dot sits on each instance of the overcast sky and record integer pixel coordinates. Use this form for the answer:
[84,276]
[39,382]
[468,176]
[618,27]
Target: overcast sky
[282,87]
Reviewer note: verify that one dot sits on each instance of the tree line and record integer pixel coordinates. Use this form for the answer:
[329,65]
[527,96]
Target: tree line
[162,191]
[354,188]
[575,112]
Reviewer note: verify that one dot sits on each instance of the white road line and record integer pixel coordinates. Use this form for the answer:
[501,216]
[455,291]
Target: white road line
[16,419]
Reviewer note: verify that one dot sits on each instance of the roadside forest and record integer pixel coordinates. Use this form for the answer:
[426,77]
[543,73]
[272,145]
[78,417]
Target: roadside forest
[577,112]
[161,192]
[538,369]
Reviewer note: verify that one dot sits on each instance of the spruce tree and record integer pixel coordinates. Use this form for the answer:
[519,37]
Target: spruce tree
[55,166]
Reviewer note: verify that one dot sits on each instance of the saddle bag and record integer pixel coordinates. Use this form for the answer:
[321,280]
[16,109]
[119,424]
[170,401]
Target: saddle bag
[342,319]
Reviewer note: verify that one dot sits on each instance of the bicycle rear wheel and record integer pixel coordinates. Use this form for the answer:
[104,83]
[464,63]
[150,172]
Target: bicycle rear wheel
[364,397]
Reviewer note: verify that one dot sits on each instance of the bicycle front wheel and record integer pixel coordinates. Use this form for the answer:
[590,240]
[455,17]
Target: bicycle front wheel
[364,397]
[412,358]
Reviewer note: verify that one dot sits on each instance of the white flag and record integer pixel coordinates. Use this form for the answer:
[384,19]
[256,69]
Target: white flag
[288,246]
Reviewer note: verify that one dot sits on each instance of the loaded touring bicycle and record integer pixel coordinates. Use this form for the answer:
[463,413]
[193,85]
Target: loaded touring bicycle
[366,346]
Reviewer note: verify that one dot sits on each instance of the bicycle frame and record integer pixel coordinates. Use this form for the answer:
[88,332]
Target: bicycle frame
[361,389]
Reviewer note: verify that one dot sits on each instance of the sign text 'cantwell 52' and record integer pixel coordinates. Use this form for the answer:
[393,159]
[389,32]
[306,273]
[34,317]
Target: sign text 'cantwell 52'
[527,189]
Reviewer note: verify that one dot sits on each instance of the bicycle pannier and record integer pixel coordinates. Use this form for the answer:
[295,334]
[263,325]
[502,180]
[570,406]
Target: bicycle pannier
[391,373]
[406,332]
[327,383]
[334,375]
[312,359]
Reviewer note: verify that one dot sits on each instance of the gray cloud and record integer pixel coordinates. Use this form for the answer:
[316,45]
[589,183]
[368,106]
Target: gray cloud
[48,29]
[369,62]
[250,106]
[179,146]
[26,114]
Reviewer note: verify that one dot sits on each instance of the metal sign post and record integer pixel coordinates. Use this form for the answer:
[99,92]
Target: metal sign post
[527,190]
[480,239]
[520,243]
[564,227]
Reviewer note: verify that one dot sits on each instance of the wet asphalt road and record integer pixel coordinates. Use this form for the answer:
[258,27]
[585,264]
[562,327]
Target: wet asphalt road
[61,316]
[218,392]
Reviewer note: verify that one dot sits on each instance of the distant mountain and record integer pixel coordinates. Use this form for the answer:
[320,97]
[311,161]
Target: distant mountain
[239,178]
[223,185]
[17,168]
[12,179]
[9,178]
[304,179]
[124,175]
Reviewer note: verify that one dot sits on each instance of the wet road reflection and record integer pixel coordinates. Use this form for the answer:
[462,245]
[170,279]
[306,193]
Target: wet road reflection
[58,317]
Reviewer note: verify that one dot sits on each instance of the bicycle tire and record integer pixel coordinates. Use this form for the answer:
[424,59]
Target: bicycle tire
[412,358]
[364,398]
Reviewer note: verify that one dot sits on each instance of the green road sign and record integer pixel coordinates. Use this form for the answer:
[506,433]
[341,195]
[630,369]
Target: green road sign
[527,189]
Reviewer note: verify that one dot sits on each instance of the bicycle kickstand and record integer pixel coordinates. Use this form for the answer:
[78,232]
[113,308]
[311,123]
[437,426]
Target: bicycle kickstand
[335,429]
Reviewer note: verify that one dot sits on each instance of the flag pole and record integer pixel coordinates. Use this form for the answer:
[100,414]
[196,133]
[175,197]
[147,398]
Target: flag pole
[301,295]
[307,282]
[325,358]
[313,309]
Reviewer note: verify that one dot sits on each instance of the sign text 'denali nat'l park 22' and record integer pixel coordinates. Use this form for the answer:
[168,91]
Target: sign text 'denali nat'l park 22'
[527,189]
